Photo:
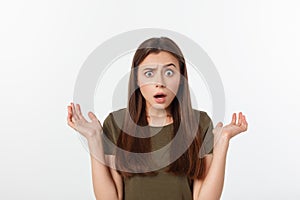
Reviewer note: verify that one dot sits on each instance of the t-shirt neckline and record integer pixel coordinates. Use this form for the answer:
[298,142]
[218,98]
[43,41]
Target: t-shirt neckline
[161,126]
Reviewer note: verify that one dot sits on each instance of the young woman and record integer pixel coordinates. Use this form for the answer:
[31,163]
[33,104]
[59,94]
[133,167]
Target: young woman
[159,114]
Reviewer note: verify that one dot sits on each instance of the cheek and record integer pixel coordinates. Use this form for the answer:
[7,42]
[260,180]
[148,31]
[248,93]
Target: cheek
[145,90]
[174,85]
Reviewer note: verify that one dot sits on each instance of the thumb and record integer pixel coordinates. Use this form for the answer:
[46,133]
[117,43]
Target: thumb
[219,125]
[218,128]
[92,116]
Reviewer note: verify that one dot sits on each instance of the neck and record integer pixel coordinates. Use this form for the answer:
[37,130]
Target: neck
[158,117]
[156,112]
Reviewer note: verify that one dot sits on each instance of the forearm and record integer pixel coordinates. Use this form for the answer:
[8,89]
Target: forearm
[103,184]
[212,186]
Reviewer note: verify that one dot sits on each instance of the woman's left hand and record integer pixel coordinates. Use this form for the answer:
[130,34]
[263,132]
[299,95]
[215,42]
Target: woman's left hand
[230,130]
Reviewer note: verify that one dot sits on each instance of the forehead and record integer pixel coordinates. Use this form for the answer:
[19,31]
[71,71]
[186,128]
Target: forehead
[160,58]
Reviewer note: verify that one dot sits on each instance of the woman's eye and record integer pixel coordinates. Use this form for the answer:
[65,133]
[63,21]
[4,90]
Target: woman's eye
[169,72]
[148,73]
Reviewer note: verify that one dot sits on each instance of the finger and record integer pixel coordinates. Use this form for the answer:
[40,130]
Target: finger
[219,125]
[218,128]
[74,117]
[240,119]
[78,111]
[92,116]
[69,112]
[71,124]
[233,121]
[69,118]
[245,122]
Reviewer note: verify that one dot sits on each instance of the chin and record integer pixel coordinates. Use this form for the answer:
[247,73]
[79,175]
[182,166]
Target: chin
[159,106]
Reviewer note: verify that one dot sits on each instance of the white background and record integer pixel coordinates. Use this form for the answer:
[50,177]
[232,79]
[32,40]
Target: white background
[254,45]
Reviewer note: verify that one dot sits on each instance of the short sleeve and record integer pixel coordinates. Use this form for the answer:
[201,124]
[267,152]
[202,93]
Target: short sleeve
[109,136]
[207,134]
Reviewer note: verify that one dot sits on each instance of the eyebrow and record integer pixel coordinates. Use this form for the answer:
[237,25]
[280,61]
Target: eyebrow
[170,64]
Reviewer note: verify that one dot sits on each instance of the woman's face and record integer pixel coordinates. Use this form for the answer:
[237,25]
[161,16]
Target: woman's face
[159,78]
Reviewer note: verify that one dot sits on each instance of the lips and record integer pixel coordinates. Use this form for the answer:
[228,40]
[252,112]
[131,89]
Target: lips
[160,97]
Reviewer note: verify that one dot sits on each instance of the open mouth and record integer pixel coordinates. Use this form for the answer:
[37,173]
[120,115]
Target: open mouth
[159,95]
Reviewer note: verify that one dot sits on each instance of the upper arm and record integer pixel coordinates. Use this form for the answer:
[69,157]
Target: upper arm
[111,132]
[117,178]
[207,135]
[197,183]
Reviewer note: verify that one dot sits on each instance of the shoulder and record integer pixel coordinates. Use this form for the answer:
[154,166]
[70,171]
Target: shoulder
[115,117]
[112,125]
[204,118]
[205,123]
[206,127]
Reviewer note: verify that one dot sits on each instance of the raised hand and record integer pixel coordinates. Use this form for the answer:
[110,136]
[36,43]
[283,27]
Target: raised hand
[232,129]
[77,121]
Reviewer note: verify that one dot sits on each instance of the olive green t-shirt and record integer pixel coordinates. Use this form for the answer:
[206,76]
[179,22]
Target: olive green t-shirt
[164,185]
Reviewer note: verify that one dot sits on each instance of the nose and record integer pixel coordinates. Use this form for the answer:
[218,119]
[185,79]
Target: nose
[160,85]
[160,82]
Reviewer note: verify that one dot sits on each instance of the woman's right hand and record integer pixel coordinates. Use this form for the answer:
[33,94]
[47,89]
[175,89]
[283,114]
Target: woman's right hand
[77,121]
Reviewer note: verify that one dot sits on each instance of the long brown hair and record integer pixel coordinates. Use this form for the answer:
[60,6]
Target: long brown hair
[183,115]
